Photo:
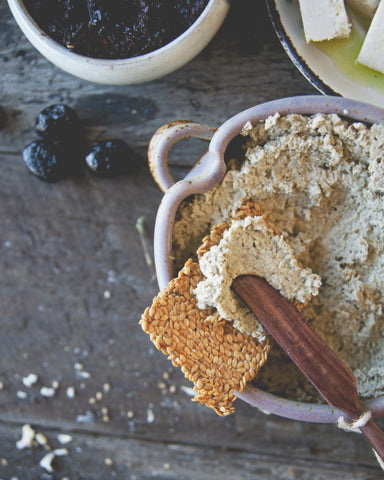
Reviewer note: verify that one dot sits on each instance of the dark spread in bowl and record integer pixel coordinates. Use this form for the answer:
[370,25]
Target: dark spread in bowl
[114,28]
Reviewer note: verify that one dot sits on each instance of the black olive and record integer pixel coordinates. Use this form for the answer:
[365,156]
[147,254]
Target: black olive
[46,160]
[58,122]
[110,157]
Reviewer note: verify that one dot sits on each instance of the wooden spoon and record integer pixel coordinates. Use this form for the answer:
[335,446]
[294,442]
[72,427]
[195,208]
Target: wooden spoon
[334,381]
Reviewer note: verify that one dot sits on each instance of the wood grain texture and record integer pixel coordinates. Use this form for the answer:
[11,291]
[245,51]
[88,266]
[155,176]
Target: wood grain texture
[74,281]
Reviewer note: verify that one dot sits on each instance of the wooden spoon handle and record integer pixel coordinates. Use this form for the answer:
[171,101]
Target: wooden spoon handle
[375,437]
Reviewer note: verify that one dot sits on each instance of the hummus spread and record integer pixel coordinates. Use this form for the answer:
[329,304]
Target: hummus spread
[320,181]
[251,246]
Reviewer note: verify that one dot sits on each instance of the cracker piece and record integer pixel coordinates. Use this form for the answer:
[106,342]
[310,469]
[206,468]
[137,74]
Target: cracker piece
[211,353]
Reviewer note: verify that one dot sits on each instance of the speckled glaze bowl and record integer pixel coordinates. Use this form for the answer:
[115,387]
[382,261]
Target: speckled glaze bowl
[206,173]
[128,71]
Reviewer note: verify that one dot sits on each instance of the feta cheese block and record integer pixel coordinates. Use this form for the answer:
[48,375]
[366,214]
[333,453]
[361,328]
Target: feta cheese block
[372,52]
[367,8]
[324,20]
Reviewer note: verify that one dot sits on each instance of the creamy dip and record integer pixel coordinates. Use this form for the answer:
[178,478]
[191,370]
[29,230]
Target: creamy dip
[251,246]
[320,181]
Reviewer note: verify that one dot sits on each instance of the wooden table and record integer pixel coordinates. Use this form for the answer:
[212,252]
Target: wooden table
[74,282]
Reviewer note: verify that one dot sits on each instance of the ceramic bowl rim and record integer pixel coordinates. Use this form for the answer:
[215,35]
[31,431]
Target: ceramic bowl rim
[57,53]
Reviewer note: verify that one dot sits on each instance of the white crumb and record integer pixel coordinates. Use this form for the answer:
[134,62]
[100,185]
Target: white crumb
[30,380]
[47,392]
[150,415]
[27,437]
[46,461]
[70,392]
[64,438]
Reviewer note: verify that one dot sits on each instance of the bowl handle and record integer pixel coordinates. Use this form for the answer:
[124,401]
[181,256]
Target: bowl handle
[162,142]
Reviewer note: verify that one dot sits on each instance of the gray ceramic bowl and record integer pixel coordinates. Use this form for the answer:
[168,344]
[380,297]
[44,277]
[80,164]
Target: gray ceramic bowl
[207,172]
[130,70]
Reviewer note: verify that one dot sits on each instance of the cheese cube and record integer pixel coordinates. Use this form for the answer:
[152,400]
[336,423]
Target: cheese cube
[372,51]
[324,20]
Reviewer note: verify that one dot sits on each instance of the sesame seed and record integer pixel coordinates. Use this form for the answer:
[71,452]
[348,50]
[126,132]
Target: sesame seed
[99,396]
[47,391]
[20,394]
[30,380]
[70,392]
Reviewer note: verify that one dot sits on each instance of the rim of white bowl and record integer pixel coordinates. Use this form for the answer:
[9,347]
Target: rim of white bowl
[215,10]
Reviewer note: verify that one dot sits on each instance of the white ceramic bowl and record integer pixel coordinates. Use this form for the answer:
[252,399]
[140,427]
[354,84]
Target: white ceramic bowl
[131,70]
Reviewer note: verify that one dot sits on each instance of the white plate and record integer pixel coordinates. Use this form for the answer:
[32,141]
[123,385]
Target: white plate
[331,68]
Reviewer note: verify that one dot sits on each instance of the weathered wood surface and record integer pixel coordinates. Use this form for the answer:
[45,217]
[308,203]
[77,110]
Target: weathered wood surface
[74,282]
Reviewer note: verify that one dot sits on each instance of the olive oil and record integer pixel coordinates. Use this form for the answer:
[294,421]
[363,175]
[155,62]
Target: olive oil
[344,52]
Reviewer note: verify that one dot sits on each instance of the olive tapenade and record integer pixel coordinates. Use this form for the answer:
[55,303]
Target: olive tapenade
[114,28]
